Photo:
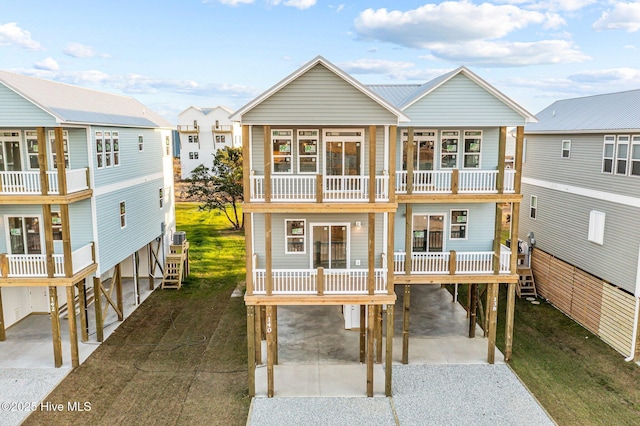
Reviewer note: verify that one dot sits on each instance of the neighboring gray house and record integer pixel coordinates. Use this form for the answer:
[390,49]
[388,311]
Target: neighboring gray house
[581,206]
[86,196]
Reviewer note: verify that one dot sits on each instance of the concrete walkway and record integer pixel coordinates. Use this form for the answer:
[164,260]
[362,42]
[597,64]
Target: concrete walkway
[447,381]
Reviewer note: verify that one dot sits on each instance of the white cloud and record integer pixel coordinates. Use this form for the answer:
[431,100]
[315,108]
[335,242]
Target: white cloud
[509,53]
[374,66]
[561,5]
[625,76]
[79,50]
[12,35]
[340,8]
[623,16]
[299,4]
[48,64]
[448,22]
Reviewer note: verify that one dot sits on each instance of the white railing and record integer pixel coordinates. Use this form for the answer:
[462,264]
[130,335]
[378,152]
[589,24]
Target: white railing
[438,263]
[82,257]
[303,188]
[469,181]
[35,265]
[28,183]
[304,281]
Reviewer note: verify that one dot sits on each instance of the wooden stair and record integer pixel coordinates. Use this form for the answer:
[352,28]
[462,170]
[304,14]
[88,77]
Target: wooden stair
[176,266]
[526,284]
[63,309]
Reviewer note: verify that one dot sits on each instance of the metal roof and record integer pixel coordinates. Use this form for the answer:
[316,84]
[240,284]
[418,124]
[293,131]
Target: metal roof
[612,111]
[77,105]
[394,93]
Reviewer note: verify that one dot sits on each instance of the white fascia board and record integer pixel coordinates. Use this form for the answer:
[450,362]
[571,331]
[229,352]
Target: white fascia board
[585,192]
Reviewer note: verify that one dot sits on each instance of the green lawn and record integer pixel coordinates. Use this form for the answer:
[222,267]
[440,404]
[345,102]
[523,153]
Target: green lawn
[576,377]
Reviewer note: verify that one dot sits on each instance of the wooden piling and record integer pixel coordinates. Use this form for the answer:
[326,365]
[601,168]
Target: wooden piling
[473,305]
[389,354]
[378,331]
[370,330]
[363,321]
[405,323]
[3,334]
[55,326]
[97,297]
[492,315]
[73,325]
[82,299]
[118,283]
[509,319]
[270,349]
[251,350]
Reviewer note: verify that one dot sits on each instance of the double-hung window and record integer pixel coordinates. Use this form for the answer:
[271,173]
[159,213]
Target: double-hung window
[533,207]
[608,151]
[472,144]
[115,140]
[140,142]
[108,149]
[622,155]
[449,154]
[458,224]
[31,137]
[123,214]
[308,151]
[295,236]
[161,197]
[566,149]
[65,148]
[635,156]
[100,149]
[282,143]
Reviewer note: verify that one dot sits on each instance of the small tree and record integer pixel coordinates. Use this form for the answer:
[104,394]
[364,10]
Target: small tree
[221,186]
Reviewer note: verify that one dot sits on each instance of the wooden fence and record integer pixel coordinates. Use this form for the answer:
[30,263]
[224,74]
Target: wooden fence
[600,307]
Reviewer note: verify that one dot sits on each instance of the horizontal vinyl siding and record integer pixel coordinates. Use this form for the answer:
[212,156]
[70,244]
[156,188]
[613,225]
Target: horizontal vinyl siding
[582,169]
[319,97]
[133,163]
[17,111]
[78,156]
[81,224]
[144,218]
[280,260]
[561,229]
[461,102]
[480,226]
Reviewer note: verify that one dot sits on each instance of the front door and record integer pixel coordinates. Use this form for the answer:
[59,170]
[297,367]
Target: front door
[10,160]
[428,232]
[330,246]
[24,235]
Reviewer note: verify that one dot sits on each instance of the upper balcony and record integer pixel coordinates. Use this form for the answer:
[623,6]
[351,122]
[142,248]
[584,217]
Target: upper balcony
[355,189]
[188,128]
[20,184]
[28,266]
[222,128]
[317,188]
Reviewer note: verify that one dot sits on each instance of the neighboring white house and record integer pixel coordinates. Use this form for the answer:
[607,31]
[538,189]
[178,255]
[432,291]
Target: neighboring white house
[202,132]
[86,197]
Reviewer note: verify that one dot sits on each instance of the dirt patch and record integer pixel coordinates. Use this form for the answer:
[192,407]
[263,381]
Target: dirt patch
[178,359]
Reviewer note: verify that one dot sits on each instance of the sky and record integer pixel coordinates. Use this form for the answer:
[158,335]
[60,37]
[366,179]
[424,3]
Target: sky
[172,54]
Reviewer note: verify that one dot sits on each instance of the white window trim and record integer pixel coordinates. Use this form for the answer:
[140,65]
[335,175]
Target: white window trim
[287,237]
[465,153]
[121,215]
[115,136]
[451,225]
[290,155]
[444,227]
[26,142]
[416,140]
[608,140]
[635,141]
[326,139]
[562,149]
[626,159]
[596,227]
[140,143]
[51,140]
[8,233]
[347,248]
[532,207]
[441,153]
[299,155]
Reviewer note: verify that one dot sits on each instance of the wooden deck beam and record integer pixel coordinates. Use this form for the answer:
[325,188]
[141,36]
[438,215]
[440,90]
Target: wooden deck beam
[48,282]
[458,198]
[260,207]
[400,279]
[332,299]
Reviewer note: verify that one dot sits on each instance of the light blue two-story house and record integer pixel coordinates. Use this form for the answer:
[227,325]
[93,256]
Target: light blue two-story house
[581,188]
[351,190]
[86,195]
